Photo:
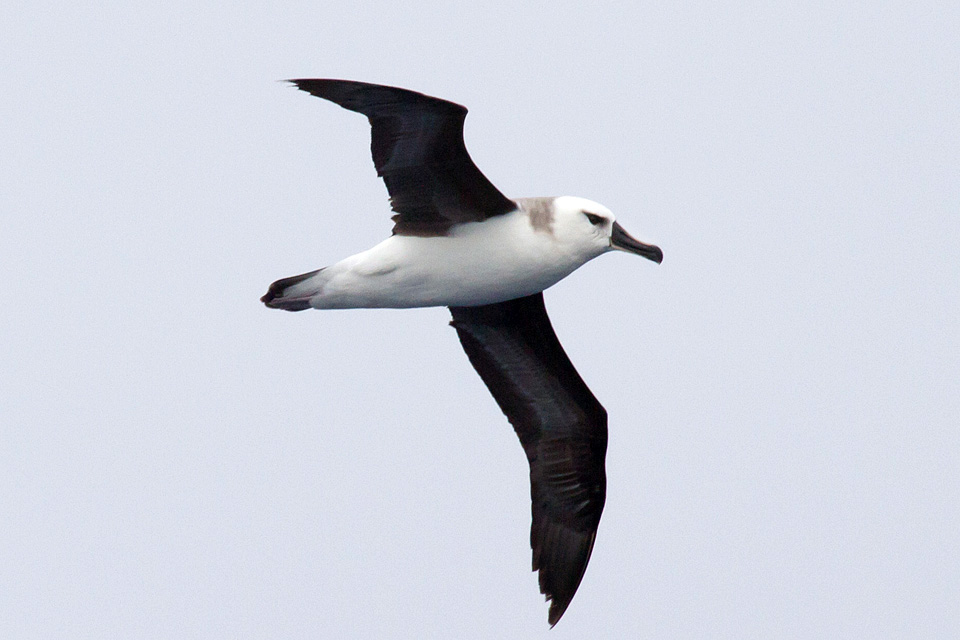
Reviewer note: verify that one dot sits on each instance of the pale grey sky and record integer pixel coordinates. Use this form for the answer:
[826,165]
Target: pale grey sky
[178,461]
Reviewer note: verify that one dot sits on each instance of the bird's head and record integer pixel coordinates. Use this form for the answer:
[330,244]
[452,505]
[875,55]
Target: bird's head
[592,229]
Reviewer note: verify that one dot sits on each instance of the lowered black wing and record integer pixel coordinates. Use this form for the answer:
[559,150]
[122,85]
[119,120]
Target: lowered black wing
[561,425]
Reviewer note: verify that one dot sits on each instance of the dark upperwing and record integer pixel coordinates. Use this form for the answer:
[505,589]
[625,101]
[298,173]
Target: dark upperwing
[418,150]
[561,425]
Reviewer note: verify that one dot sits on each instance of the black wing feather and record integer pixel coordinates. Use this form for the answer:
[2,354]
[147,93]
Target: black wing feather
[418,150]
[561,425]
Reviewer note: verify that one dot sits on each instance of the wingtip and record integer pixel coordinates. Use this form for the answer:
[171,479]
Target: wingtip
[296,83]
[558,604]
[304,84]
[561,556]
[557,609]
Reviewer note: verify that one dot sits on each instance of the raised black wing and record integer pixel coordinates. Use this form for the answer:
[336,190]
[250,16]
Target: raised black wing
[561,425]
[418,150]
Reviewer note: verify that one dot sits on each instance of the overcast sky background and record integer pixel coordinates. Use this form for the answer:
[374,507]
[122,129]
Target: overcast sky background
[178,461]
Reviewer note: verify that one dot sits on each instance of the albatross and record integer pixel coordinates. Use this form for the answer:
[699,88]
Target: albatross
[458,242]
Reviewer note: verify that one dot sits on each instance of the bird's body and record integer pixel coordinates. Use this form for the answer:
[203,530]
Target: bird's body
[475,263]
[458,242]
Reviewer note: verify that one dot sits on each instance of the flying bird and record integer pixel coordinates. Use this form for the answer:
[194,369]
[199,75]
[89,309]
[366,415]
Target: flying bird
[458,242]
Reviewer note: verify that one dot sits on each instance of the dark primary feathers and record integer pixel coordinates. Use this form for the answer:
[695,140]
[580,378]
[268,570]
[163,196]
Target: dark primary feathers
[418,150]
[561,425]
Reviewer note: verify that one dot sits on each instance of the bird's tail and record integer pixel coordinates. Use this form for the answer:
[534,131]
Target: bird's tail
[293,293]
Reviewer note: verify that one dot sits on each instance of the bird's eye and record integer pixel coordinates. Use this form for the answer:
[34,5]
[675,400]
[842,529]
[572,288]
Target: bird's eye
[594,219]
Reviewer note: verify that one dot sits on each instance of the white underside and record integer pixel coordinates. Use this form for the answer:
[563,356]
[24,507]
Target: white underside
[480,263]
